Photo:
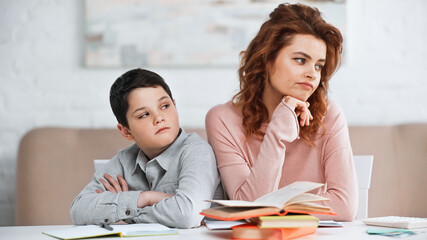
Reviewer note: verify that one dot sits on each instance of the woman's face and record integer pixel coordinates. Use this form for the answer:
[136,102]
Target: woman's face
[297,68]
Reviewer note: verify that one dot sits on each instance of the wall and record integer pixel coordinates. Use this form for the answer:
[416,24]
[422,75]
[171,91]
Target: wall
[43,81]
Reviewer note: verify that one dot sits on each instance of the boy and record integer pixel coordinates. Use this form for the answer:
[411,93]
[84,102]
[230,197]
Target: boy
[164,177]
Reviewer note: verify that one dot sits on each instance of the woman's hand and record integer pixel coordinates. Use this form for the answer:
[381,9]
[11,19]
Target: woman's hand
[113,185]
[301,109]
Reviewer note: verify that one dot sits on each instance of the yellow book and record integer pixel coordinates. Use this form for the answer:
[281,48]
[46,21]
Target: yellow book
[288,221]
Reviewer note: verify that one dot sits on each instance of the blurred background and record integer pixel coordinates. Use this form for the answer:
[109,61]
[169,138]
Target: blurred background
[52,71]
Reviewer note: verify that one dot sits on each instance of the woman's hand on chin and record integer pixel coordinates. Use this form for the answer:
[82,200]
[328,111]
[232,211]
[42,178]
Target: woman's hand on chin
[300,108]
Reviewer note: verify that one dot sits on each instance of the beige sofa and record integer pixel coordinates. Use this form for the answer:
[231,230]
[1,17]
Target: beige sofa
[54,164]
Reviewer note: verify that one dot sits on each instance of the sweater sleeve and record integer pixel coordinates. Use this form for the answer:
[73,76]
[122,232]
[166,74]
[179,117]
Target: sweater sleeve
[340,174]
[242,179]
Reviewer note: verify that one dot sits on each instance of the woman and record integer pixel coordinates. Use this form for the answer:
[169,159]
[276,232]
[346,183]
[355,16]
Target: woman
[281,128]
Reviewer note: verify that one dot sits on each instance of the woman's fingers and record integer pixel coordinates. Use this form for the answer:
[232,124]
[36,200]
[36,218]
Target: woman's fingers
[301,110]
[305,118]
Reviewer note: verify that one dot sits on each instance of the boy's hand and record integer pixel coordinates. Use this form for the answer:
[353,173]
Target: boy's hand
[149,198]
[113,185]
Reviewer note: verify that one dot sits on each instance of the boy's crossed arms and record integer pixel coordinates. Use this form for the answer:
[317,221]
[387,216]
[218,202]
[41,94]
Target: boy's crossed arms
[146,198]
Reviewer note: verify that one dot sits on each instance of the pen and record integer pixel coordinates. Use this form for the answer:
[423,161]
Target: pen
[106,226]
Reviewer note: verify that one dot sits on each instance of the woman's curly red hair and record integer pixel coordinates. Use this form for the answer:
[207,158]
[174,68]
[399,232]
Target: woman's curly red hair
[285,21]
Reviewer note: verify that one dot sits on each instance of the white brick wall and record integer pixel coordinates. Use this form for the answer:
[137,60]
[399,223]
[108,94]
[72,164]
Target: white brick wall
[43,81]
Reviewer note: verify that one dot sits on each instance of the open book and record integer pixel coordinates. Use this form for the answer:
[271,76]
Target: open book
[289,199]
[122,230]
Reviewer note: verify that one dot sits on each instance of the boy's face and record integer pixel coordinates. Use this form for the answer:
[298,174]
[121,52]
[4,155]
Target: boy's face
[153,120]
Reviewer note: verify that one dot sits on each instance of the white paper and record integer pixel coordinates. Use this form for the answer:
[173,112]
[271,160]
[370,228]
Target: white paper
[221,225]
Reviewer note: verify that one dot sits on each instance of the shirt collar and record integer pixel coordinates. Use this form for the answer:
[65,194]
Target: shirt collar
[141,160]
[164,158]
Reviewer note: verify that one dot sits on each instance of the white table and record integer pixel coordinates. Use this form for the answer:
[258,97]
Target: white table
[351,230]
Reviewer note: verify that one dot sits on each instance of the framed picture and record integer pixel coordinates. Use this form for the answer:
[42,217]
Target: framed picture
[180,33]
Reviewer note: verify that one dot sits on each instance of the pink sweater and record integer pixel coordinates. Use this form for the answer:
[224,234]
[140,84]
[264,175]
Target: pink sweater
[252,168]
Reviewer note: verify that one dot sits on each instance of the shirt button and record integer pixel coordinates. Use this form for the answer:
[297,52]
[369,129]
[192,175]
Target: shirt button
[127,212]
[106,220]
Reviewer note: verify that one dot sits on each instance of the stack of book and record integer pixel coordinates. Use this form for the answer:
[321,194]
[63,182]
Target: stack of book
[277,227]
[282,214]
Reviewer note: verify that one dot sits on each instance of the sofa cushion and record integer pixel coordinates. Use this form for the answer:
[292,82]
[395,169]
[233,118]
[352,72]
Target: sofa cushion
[54,164]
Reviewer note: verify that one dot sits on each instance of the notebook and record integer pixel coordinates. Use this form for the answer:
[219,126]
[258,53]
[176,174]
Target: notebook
[125,230]
[397,222]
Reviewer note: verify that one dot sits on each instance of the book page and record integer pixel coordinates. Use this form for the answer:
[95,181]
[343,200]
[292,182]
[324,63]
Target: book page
[221,225]
[239,203]
[237,213]
[280,197]
[139,227]
[87,231]
[329,223]
[143,229]
[277,198]
[308,206]
[306,197]
[80,232]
